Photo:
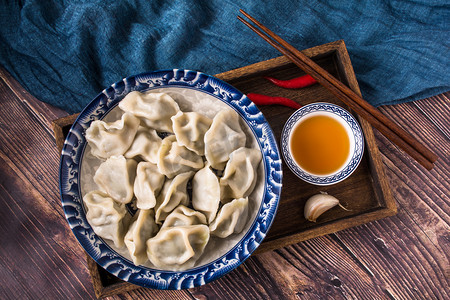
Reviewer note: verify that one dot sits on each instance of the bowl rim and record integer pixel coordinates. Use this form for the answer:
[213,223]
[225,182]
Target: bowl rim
[351,164]
[70,190]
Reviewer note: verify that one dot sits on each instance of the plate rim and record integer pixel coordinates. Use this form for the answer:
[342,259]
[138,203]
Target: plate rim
[171,279]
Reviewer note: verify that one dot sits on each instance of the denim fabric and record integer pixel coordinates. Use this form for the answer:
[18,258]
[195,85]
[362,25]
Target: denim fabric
[66,52]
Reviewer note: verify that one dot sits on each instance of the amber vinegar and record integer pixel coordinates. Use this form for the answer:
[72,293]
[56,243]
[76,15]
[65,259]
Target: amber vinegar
[320,144]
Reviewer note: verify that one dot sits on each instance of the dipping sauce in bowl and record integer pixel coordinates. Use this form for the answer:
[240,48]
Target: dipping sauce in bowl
[322,143]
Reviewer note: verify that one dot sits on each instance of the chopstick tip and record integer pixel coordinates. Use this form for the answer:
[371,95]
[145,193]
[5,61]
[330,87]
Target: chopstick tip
[245,13]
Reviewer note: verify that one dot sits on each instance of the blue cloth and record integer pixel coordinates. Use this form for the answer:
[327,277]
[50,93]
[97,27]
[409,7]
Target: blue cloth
[66,52]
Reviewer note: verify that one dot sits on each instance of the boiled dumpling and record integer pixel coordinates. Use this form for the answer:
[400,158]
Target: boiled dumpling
[223,137]
[183,216]
[177,248]
[116,176]
[173,193]
[154,109]
[190,129]
[145,145]
[106,216]
[108,139]
[206,193]
[147,185]
[239,177]
[231,218]
[142,228]
[174,159]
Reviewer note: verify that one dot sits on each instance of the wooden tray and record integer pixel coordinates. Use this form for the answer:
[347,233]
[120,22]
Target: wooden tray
[365,193]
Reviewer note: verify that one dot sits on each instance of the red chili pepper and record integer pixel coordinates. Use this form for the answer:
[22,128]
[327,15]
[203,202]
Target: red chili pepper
[260,99]
[294,83]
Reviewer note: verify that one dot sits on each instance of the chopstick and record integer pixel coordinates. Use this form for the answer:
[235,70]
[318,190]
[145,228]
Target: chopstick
[387,127]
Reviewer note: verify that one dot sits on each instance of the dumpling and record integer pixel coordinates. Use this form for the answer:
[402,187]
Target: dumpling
[106,216]
[223,137]
[142,228]
[147,185]
[240,174]
[177,248]
[231,218]
[116,177]
[174,159]
[108,139]
[190,129]
[145,145]
[183,216]
[206,193]
[173,193]
[154,109]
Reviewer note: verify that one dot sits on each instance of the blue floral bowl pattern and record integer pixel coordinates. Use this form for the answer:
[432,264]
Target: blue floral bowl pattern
[356,135]
[71,195]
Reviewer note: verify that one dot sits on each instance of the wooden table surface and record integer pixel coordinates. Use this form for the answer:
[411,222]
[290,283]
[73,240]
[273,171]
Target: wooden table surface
[401,257]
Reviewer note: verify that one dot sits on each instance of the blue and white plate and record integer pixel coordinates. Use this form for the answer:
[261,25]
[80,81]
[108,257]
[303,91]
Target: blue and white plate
[194,91]
[350,124]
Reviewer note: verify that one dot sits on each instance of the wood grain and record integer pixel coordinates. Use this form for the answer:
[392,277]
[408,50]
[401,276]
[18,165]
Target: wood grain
[42,112]
[40,257]
[401,257]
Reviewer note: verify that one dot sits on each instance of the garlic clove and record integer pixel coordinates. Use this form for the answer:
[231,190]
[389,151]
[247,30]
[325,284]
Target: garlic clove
[318,204]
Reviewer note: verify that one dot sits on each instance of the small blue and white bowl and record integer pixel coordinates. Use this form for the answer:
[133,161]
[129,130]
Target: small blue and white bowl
[353,131]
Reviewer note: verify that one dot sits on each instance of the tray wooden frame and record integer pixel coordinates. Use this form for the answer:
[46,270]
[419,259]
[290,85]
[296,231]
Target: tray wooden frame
[366,192]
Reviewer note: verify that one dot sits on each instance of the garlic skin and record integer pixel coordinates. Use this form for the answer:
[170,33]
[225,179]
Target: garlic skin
[318,204]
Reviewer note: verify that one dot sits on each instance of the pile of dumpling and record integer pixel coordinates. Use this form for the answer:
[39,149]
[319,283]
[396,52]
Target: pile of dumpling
[187,186]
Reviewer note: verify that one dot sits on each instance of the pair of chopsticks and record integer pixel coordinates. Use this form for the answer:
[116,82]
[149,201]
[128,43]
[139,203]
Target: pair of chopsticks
[388,128]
